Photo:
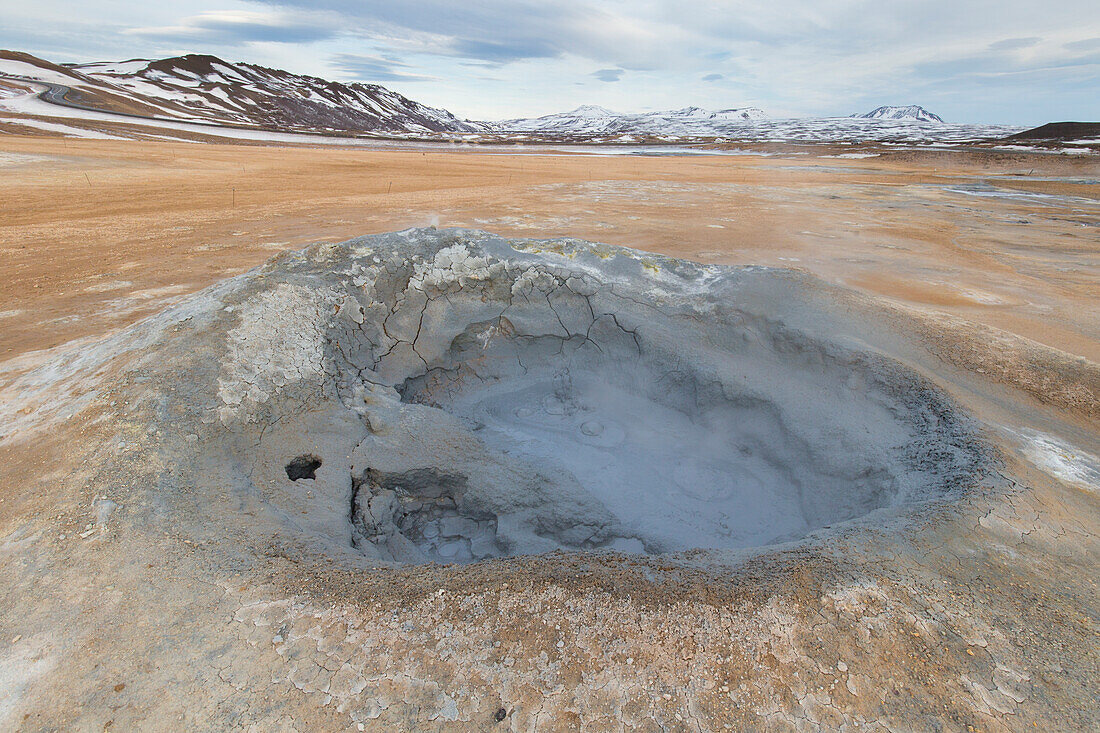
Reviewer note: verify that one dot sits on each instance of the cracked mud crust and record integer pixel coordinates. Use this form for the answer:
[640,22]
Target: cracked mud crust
[371,486]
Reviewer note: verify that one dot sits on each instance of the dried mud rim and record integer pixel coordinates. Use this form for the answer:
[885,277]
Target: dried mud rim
[649,581]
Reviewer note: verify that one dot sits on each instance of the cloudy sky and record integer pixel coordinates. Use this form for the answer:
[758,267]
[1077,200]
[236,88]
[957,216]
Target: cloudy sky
[1012,61]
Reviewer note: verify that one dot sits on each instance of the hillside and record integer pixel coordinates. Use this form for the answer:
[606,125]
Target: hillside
[1061,131]
[910,113]
[202,88]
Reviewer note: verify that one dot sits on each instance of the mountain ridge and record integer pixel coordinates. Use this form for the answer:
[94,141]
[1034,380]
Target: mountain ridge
[596,120]
[205,88]
[911,112]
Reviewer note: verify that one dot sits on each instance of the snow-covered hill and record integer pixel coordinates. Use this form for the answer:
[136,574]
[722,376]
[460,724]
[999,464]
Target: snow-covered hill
[591,120]
[912,113]
[201,88]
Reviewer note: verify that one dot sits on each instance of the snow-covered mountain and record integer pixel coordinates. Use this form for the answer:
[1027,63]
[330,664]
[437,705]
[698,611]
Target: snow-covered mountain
[591,120]
[912,112]
[247,101]
[202,88]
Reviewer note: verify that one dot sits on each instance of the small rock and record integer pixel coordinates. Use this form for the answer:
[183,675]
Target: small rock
[103,509]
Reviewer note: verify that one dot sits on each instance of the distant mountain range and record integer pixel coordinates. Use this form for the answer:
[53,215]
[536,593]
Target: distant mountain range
[206,89]
[592,120]
[911,112]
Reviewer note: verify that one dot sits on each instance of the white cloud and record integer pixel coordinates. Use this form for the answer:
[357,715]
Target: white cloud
[243,26]
[786,56]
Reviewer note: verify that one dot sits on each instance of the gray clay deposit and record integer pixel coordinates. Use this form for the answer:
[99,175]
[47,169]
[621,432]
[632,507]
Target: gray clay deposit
[504,398]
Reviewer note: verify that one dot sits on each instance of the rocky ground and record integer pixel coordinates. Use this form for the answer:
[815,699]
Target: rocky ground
[166,569]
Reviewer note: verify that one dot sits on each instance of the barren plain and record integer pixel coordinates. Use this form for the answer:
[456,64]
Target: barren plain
[172,562]
[97,233]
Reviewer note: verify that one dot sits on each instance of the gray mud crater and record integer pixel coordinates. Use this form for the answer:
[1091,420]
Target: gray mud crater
[675,455]
[452,396]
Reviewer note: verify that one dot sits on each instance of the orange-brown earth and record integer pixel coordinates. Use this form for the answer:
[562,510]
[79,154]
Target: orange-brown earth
[95,234]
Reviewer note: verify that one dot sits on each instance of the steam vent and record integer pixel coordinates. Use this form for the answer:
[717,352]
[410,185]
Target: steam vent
[441,480]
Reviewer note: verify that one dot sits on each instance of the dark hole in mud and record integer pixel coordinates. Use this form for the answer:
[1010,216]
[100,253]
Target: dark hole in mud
[304,466]
[422,516]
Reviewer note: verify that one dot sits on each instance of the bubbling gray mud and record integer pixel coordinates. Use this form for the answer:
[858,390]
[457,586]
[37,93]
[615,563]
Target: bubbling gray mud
[515,397]
[767,445]
[729,474]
